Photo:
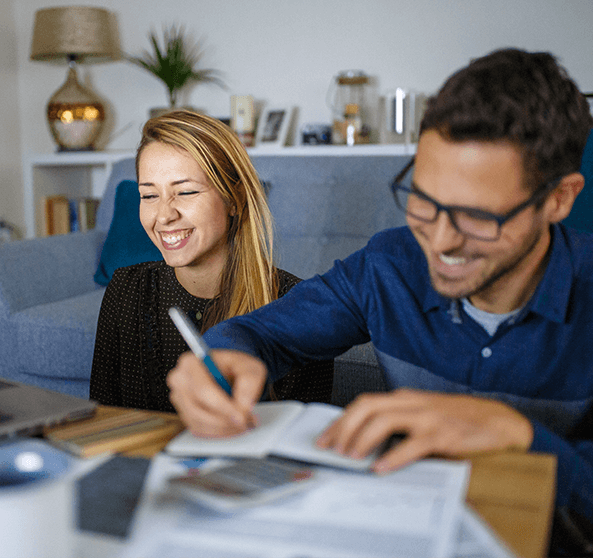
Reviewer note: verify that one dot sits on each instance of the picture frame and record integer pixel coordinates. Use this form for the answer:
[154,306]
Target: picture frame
[272,126]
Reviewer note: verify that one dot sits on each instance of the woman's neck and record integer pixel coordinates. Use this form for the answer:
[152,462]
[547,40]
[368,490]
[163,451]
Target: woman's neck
[199,283]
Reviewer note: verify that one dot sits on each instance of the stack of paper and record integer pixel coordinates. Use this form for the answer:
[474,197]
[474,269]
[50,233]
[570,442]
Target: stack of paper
[418,511]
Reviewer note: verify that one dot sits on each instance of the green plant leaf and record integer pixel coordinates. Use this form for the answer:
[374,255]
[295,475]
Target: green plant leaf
[176,64]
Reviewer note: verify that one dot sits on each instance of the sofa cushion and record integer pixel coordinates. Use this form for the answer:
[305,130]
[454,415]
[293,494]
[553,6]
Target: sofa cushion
[57,339]
[127,243]
[327,207]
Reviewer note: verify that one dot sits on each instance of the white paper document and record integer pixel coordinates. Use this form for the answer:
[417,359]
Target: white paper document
[415,512]
[477,540]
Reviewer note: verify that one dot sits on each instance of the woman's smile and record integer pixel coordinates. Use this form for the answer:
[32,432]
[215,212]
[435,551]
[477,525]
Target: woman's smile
[174,240]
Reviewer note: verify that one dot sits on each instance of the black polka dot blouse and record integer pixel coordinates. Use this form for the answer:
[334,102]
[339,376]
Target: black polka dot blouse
[137,343]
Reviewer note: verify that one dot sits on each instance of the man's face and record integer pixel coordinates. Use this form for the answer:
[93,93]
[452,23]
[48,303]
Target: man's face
[498,276]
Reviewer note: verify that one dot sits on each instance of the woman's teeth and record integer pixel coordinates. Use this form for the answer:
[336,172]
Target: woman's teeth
[450,260]
[172,239]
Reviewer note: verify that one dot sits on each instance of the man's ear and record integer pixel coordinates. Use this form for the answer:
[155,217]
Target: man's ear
[561,200]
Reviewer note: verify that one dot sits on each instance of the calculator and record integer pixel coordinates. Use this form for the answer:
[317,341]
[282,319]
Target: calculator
[245,482]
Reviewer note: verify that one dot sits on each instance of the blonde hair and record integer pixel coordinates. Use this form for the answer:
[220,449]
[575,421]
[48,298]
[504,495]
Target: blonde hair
[249,279]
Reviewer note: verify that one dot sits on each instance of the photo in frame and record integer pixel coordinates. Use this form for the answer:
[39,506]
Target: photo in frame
[272,128]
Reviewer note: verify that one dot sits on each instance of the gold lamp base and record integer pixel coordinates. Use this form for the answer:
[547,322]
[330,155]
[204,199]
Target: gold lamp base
[75,115]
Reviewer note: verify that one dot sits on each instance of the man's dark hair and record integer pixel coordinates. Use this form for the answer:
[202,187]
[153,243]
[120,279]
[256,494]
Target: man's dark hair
[521,97]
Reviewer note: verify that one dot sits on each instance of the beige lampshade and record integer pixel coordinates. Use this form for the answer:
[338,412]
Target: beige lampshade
[87,33]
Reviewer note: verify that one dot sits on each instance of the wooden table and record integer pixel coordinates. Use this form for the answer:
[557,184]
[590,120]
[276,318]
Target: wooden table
[513,492]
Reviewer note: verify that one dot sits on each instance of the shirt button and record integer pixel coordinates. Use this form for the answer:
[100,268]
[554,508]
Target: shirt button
[198,315]
[486,352]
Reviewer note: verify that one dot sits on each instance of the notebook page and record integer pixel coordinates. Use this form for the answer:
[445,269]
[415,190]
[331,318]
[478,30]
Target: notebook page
[298,441]
[273,419]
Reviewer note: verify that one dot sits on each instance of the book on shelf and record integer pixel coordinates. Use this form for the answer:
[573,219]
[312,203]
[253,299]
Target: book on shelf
[64,215]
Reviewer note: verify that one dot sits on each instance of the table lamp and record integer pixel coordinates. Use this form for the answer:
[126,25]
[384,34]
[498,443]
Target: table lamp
[74,34]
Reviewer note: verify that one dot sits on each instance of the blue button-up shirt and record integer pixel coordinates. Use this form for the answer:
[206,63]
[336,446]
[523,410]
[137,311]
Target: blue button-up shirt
[540,361]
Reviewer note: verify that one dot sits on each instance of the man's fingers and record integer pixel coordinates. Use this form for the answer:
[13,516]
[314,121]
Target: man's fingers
[434,424]
[407,451]
[207,410]
[248,386]
[203,406]
[355,431]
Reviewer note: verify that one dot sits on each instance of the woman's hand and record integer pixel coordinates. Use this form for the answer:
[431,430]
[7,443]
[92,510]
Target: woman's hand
[434,423]
[203,406]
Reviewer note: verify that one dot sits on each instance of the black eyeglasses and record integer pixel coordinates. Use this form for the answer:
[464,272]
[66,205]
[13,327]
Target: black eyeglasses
[469,221]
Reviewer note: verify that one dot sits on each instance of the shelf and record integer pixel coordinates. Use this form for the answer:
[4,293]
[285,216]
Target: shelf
[85,173]
[333,150]
[84,158]
[72,173]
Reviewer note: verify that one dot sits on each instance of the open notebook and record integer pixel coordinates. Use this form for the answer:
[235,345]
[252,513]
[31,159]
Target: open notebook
[285,428]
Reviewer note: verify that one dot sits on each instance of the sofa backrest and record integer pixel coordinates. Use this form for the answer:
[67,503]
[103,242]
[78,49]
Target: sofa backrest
[324,207]
[327,207]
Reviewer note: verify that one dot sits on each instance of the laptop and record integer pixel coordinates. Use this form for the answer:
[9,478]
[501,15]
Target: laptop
[26,410]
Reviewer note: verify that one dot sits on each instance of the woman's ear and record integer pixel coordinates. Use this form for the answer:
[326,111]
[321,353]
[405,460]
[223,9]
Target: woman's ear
[562,199]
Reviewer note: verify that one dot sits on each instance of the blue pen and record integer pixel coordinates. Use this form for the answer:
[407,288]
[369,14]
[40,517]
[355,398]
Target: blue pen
[197,345]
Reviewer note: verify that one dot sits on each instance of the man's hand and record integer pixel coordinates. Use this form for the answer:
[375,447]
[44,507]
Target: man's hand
[435,424]
[203,406]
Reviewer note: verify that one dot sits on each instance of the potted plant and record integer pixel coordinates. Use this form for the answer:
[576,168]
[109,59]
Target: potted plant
[175,63]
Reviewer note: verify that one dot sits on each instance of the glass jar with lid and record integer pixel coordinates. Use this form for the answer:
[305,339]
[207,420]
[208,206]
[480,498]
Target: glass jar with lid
[346,98]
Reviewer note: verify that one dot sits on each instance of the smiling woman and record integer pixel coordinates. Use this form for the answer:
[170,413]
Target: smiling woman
[204,208]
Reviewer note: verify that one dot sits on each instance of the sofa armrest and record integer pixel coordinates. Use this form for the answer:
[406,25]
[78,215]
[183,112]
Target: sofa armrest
[356,371]
[45,270]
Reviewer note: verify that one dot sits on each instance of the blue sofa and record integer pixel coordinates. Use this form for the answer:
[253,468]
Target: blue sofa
[325,207]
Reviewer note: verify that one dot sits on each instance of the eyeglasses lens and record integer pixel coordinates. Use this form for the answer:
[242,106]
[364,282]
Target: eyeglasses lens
[423,209]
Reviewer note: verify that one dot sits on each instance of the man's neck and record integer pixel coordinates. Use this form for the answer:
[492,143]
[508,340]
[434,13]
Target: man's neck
[513,290]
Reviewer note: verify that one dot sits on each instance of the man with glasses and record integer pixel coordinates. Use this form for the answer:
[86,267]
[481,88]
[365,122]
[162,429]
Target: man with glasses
[480,311]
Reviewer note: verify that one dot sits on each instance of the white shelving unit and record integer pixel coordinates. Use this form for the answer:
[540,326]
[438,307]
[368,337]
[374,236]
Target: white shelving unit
[85,173]
[71,174]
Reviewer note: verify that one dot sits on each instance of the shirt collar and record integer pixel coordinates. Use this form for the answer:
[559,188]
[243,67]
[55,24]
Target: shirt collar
[550,299]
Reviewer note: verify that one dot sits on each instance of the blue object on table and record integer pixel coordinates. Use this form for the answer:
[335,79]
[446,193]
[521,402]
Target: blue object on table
[24,460]
[108,496]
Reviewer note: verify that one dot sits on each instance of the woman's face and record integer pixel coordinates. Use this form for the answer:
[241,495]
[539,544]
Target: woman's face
[181,211]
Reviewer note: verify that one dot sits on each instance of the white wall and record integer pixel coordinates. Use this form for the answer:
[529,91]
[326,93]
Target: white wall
[11,198]
[287,52]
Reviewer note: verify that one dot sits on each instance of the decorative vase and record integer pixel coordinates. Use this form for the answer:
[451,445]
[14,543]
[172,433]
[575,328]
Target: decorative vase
[75,115]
